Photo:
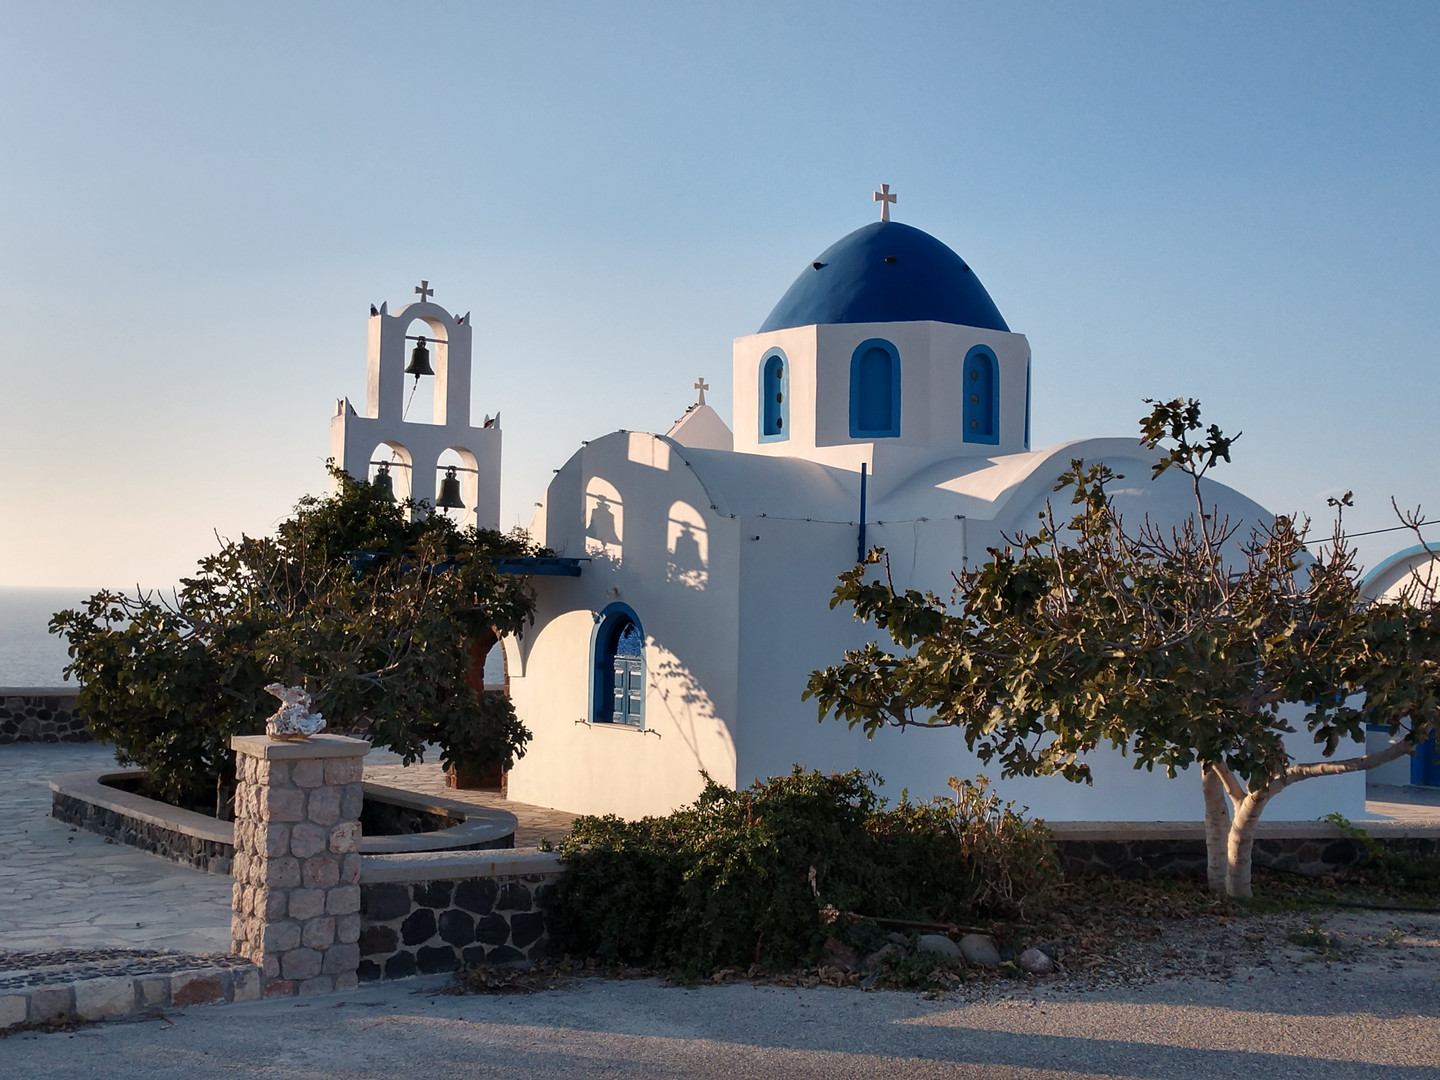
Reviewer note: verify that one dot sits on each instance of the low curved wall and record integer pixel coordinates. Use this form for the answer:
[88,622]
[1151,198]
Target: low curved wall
[86,800]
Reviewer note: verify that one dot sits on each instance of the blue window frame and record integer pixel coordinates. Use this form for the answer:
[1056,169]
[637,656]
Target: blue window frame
[875,391]
[618,668]
[774,397]
[981,413]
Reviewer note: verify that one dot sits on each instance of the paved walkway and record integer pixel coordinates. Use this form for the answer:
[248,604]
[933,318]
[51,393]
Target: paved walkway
[64,888]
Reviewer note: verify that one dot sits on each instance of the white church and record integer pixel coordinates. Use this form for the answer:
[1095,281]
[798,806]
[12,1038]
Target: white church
[883,402]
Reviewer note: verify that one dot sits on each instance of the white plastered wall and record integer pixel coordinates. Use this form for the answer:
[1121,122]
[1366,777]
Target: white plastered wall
[932,394]
[675,566]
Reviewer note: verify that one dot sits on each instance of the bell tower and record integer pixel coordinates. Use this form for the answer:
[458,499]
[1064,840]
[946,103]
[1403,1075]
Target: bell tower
[409,452]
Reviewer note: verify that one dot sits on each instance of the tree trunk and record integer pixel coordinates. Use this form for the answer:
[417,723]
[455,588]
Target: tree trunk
[1242,844]
[1217,829]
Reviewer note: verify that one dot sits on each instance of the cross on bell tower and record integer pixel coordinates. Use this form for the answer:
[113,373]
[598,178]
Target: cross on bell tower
[885,197]
[424,291]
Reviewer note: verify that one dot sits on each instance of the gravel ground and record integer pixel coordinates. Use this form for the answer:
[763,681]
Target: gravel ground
[1348,995]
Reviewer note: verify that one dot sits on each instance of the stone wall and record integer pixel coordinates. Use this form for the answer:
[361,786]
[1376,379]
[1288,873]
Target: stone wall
[1307,855]
[212,856]
[426,914]
[29,715]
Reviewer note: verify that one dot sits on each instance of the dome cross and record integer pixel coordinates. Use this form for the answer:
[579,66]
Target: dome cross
[885,197]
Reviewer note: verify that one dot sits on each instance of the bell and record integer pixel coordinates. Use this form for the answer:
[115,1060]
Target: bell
[383,482]
[450,492]
[419,360]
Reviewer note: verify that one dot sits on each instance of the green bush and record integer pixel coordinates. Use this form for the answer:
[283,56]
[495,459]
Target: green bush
[741,877]
[369,603]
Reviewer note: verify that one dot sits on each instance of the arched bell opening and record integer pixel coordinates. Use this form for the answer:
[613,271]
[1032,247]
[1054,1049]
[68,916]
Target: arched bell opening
[457,485]
[426,350]
[391,463]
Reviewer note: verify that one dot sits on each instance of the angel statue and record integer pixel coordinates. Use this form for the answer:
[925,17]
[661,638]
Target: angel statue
[293,720]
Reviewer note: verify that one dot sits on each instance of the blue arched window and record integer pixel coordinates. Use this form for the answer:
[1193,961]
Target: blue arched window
[774,397]
[618,668]
[875,391]
[981,413]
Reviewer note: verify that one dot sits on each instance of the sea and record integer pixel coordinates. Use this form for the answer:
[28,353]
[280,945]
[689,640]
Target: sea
[30,656]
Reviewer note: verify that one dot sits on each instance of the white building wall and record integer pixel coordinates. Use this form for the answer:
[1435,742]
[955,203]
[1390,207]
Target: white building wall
[675,566]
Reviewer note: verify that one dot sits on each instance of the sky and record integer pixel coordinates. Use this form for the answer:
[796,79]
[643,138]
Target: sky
[199,202]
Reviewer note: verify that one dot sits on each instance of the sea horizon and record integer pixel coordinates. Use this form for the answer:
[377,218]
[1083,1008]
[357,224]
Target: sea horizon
[31,656]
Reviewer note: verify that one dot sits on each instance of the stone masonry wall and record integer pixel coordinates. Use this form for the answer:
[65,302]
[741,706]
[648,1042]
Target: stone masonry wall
[423,927]
[296,910]
[43,716]
[211,856]
[1148,858]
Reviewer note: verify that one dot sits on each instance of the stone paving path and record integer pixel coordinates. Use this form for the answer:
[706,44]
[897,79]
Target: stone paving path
[534,823]
[62,888]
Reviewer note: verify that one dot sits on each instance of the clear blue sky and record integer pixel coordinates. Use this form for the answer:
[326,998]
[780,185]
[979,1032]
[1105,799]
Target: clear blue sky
[1231,202]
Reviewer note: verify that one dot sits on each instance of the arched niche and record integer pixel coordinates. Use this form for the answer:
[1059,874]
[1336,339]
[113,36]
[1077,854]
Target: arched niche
[394,458]
[604,520]
[423,401]
[467,473]
[687,547]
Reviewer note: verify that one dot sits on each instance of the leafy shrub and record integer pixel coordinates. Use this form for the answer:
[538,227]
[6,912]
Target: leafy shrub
[366,602]
[740,877]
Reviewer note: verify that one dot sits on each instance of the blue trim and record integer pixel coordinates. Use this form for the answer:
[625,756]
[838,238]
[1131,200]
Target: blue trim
[980,384]
[539,566]
[609,625]
[1399,556]
[1425,764]
[875,390]
[774,396]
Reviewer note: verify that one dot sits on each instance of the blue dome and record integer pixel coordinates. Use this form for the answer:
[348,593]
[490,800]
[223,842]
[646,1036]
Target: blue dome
[886,272]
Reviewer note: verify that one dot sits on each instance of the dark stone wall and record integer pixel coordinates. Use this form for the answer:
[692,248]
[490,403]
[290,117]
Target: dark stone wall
[30,717]
[209,855]
[423,927]
[1309,857]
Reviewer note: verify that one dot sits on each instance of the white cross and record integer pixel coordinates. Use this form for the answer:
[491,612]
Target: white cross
[701,385]
[885,198]
[425,292]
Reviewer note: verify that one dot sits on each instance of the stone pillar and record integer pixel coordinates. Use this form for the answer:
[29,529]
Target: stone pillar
[296,907]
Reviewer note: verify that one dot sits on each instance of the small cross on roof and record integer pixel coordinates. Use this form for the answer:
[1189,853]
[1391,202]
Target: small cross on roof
[701,386]
[885,197]
[424,291]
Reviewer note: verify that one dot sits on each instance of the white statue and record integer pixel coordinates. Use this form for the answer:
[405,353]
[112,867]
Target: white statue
[293,720]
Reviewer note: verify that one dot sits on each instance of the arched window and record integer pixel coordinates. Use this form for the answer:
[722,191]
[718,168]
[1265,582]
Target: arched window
[774,397]
[981,413]
[875,391]
[618,673]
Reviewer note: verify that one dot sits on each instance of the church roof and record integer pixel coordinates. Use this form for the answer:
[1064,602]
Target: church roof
[886,272]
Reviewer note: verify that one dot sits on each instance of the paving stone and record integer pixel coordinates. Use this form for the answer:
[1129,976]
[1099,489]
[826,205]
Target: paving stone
[99,999]
[13,1009]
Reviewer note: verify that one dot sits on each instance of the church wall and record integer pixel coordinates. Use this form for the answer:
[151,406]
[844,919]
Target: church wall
[932,394]
[659,549]
[783,642]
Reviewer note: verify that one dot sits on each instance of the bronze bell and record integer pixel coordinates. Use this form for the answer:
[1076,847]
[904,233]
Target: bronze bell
[419,360]
[383,481]
[450,492]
